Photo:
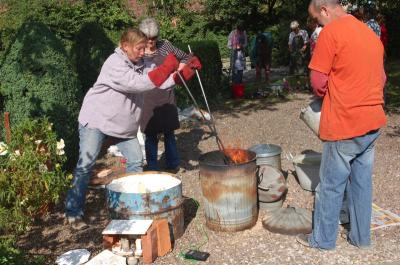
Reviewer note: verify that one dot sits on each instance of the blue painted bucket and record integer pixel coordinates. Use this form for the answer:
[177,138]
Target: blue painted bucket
[148,195]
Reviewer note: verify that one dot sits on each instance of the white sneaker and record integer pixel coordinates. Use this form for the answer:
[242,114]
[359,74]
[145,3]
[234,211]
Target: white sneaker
[76,223]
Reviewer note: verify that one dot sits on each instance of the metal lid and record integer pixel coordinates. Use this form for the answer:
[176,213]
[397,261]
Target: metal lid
[289,221]
[266,150]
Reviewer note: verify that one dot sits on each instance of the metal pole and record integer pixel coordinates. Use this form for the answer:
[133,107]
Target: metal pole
[7,127]
[213,129]
[204,96]
[201,87]
[219,142]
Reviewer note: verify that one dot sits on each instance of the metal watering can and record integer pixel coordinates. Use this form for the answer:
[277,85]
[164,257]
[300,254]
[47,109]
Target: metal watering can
[311,115]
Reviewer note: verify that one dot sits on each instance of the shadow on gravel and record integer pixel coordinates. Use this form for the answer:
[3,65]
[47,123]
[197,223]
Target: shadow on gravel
[190,207]
[395,131]
[249,106]
[188,145]
[51,237]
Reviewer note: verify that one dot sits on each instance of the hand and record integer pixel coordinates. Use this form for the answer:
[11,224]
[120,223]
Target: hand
[187,73]
[194,63]
[161,73]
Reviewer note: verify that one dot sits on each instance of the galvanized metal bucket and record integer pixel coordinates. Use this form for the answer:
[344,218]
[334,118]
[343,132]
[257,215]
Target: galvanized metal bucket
[271,182]
[307,169]
[311,115]
[268,154]
[148,195]
[229,192]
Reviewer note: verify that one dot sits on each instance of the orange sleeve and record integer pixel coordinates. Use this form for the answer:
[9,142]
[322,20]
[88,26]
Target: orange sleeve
[324,53]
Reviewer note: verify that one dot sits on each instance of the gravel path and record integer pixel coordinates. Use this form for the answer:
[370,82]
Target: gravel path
[260,122]
[246,123]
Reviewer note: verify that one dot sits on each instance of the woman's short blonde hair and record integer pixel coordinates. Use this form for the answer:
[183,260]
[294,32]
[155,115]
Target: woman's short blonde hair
[132,36]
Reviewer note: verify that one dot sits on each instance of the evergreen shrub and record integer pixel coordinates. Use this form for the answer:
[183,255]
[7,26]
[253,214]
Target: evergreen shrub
[37,80]
[91,48]
[392,25]
[213,81]
[64,18]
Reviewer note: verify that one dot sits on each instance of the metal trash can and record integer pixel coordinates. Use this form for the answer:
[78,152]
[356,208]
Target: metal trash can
[268,154]
[229,192]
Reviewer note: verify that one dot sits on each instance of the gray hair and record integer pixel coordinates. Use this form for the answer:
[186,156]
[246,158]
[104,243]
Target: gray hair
[149,27]
[294,24]
[318,3]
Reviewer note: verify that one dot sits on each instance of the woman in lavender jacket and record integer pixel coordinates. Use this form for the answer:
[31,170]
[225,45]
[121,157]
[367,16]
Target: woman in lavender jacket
[112,107]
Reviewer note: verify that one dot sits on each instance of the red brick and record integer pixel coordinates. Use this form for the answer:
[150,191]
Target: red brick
[163,237]
[149,245]
[109,241]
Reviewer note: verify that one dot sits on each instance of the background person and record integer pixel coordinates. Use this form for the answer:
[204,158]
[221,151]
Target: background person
[111,108]
[370,14]
[347,71]
[237,42]
[384,32]
[298,41]
[261,53]
[160,114]
[315,28]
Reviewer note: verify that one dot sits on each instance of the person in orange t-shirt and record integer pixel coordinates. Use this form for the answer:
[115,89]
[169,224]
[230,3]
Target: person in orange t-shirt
[347,71]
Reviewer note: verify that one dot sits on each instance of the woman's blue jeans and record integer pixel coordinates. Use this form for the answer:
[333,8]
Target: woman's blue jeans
[344,162]
[90,143]
[171,151]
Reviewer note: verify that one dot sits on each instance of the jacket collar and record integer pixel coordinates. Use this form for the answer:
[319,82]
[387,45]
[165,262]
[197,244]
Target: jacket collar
[138,66]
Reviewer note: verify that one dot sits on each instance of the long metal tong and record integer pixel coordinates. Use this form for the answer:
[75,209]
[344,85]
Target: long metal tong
[210,124]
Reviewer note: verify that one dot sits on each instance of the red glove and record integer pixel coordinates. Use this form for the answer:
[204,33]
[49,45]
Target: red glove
[161,73]
[194,63]
[188,70]
[187,73]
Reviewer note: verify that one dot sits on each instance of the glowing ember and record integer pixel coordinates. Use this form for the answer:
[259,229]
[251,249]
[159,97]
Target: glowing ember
[237,156]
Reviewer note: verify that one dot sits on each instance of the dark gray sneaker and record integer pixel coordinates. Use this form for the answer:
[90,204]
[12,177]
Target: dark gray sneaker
[76,223]
[303,240]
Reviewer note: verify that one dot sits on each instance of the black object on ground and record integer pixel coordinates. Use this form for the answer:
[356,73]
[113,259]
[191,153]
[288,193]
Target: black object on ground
[197,255]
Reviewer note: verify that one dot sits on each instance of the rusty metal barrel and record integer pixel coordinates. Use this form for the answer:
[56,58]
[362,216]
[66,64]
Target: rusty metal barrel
[148,195]
[229,192]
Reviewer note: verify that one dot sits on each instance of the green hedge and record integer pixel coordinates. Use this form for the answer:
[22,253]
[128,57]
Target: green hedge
[91,48]
[37,80]
[64,18]
[10,254]
[393,27]
[214,84]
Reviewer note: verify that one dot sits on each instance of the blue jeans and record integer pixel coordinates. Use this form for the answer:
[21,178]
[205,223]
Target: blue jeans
[90,143]
[171,151]
[345,162]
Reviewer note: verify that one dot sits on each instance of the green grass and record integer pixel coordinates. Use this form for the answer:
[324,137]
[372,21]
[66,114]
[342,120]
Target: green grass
[10,255]
[393,85]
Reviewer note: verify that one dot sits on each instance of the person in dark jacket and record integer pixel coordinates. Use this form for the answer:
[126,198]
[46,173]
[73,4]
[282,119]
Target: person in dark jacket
[261,53]
[160,114]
